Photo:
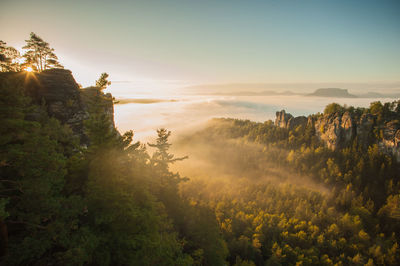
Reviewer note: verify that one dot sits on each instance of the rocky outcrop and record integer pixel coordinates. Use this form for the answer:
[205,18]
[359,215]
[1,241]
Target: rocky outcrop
[336,130]
[339,130]
[282,119]
[58,92]
[286,120]
[328,129]
[390,142]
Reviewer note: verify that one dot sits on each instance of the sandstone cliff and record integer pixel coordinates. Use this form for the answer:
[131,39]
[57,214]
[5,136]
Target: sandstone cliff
[58,92]
[339,130]
[286,120]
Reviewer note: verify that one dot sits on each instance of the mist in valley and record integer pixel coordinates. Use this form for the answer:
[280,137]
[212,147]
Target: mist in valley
[269,188]
[180,113]
[218,159]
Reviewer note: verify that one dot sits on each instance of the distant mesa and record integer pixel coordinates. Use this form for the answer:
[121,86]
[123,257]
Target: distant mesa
[360,90]
[332,92]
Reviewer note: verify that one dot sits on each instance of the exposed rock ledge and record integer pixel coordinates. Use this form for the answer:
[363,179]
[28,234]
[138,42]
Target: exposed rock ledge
[337,130]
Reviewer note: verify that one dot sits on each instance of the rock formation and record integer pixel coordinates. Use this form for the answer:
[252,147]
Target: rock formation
[282,119]
[391,138]
[58,92]
[285,120]
[339,130]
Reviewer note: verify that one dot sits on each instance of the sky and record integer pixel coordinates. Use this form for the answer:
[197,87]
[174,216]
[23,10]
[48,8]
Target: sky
[154,45]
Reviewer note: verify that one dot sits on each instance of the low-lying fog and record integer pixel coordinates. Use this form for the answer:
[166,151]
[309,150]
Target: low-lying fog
[226,159]
[144,114]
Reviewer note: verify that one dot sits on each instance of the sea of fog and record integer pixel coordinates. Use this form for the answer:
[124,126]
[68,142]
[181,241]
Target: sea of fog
[181,113]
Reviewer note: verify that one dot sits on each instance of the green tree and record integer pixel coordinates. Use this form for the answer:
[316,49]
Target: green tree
[333,108]
[103,82]
[40,219]
[161,157]
[8,58]
[164,184]
[39,55]
[130,225]
[376,108]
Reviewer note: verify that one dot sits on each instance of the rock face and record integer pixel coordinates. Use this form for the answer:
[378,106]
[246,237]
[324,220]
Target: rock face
[286,120]
[339,130]
[391,138]
[61,95]
[336,130]
[282,119]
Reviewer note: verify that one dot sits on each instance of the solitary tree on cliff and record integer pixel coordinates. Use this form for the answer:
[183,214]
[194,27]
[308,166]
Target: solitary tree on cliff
[39,55]
[103,82]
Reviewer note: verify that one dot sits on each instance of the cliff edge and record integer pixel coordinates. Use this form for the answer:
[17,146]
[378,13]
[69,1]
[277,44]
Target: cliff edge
[57,91]
[338,130]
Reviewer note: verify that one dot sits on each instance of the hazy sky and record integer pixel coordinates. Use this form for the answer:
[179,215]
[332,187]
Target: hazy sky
[174,43]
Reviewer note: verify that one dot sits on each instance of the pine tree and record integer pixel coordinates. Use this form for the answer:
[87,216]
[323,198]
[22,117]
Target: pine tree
[8,58]
[102,82]
[39,55]
[161,158]
[39,219]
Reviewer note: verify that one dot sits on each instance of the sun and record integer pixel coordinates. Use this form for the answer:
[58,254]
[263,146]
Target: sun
[28,69]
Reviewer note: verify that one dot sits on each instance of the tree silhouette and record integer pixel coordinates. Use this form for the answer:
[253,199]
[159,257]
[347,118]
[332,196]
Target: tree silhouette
[39,55]
[8,57]
[161,157]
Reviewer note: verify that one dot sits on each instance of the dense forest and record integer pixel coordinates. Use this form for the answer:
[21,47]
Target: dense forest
[284,198]
[109,204]
[255,193]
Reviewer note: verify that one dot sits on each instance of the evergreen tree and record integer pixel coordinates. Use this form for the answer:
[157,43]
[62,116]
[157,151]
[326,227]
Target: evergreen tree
[39,55]
[8,58]
[161,158]
[39,218]
[130,225]
[103,82]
